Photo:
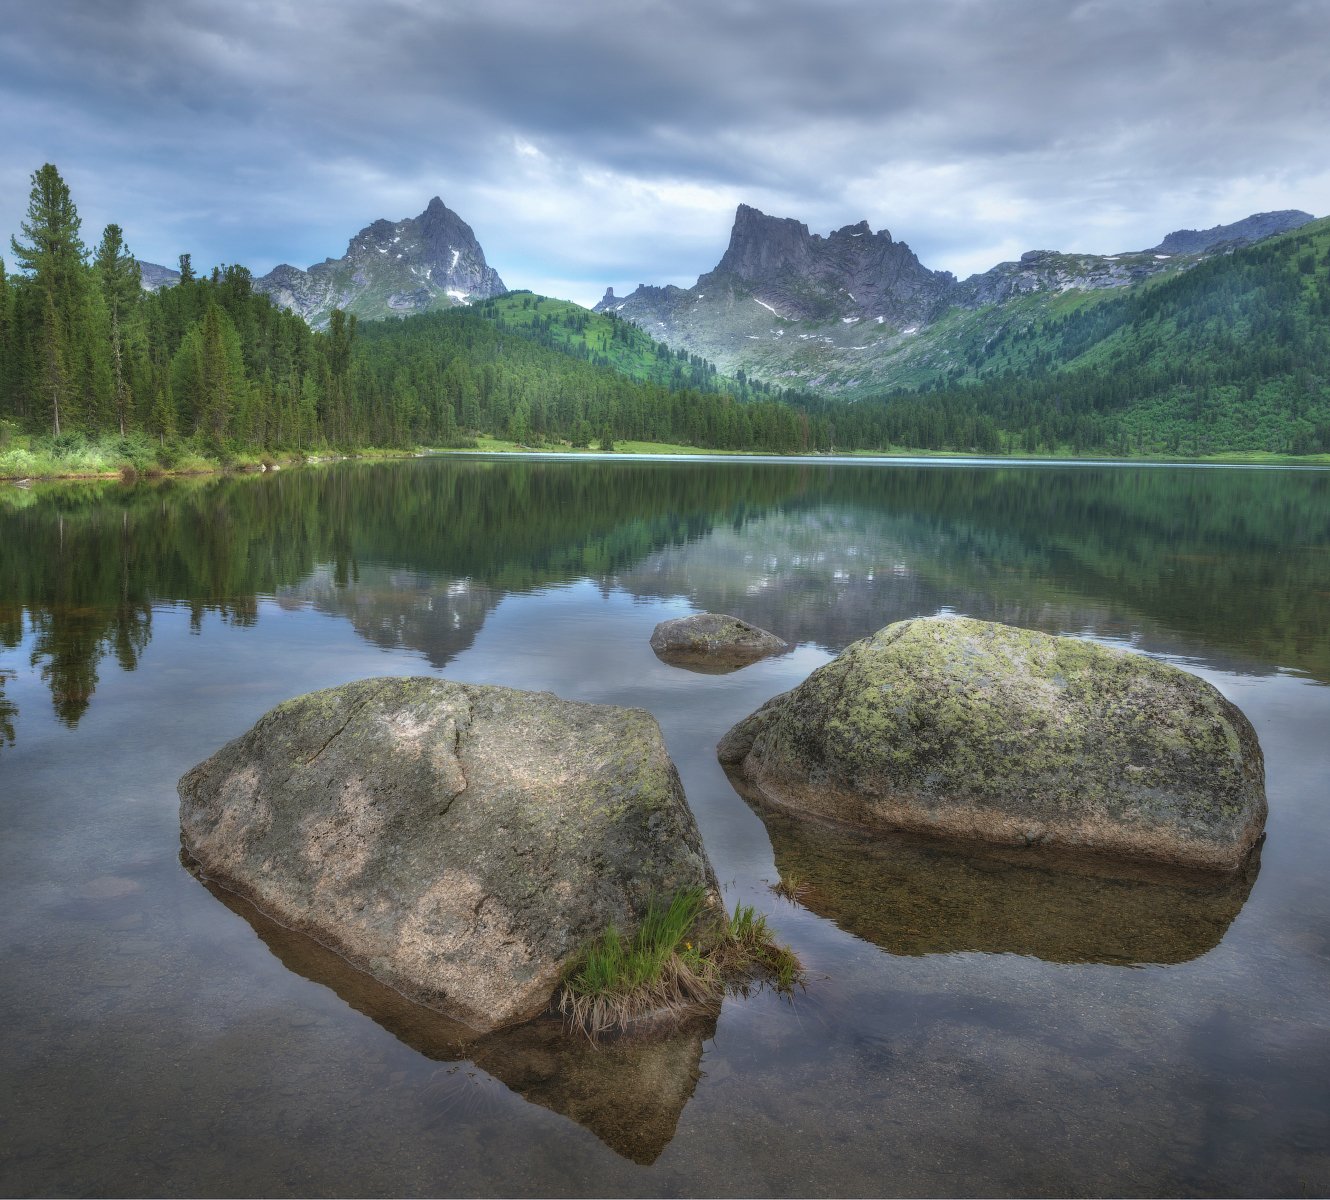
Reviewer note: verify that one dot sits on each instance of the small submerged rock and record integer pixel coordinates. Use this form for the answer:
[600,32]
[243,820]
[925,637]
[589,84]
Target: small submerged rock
[970,729]
[460,843]
[713,643]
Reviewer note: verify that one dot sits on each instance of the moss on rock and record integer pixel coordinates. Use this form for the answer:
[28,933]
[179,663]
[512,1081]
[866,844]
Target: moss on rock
[973,729]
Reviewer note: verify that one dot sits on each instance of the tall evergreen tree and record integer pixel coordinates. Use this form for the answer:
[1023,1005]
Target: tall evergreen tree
[7,355]
[55,257]
[121,285]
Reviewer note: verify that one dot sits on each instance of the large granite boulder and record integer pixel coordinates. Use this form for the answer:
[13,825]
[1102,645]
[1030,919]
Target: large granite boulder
[975,730]
[713,643]
[460,843]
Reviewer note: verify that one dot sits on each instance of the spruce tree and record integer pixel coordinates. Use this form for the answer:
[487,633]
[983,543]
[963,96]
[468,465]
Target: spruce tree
[122,289]
[7,354]
[55,258]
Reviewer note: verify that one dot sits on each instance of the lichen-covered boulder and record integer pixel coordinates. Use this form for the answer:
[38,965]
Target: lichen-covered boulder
[460,843]
[713,643]
[975,730]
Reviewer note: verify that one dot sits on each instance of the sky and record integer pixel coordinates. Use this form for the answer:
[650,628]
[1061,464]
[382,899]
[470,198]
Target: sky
[592,143]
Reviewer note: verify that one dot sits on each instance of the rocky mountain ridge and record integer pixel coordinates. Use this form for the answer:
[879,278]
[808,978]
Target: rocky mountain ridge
[391,268]
[853,272]
[154,276]
[857,310]
[1251,229]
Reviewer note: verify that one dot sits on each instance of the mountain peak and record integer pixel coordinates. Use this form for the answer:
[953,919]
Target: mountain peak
[760,244]
[392,268]
[851,274]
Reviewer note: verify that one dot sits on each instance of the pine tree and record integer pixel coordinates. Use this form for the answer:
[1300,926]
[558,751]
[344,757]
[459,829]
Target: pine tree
[54,377]
[121,285]
[55,258]
[7,354]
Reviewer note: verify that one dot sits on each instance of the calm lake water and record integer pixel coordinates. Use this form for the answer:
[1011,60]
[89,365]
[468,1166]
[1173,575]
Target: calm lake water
[976,1023]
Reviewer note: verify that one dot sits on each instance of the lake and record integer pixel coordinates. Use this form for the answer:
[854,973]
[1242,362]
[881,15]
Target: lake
[974,1023]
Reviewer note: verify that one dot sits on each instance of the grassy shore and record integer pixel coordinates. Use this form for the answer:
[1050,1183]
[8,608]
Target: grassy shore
[75,457]
[493,445]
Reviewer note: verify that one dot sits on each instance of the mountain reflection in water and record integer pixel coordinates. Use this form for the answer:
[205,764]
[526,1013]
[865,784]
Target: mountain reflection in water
[975,1031]
[418,554]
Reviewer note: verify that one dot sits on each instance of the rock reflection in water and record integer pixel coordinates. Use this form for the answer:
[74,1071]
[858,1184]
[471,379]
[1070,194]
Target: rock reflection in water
[912,896]
[628,1091]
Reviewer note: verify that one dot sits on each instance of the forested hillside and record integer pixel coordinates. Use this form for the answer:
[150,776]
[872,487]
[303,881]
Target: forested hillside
[210,366]
[1230,356]
[1233,354]
[604,339]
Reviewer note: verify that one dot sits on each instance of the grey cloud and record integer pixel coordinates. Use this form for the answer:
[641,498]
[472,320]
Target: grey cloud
[258,131]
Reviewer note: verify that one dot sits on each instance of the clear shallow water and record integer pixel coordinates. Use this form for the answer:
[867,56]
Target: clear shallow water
[978,1024]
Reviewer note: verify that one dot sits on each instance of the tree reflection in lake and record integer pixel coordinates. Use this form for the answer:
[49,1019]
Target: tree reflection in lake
[984,1026]
[418,554]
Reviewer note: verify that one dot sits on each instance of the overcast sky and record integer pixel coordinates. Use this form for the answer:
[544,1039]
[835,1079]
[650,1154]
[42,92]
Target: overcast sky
[598,142]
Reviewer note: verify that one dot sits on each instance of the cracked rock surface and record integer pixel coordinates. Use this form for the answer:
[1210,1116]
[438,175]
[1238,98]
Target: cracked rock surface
[459,842]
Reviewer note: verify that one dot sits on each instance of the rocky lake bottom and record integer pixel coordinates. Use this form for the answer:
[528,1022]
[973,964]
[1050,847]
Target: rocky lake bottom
[976,1022]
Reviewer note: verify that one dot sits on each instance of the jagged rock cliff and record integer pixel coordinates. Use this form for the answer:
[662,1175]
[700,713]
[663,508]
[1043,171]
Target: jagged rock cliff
[856,310]
[391,269]
[853,274]
[774,267]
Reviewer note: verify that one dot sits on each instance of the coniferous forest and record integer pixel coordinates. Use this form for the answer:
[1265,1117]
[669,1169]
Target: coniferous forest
[210,367]
[1232,356]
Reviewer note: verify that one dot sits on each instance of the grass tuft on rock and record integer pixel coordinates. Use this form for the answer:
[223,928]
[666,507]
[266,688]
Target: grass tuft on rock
[680,958]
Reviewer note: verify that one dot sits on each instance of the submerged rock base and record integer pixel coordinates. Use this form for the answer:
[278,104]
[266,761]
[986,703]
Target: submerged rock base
[969,729]
[915,895]
[628,1090]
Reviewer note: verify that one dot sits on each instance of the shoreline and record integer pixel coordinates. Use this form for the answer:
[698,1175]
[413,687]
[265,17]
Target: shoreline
[199,466]
[652,451]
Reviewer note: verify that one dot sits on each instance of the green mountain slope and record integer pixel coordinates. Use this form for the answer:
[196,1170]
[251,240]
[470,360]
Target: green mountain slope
[856,312]
[605,340]
[439,377]
[1231,355]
